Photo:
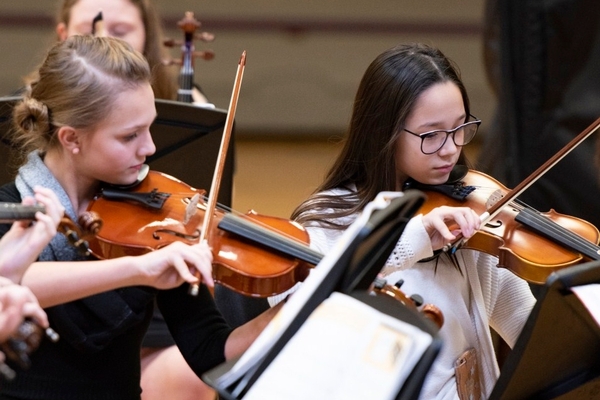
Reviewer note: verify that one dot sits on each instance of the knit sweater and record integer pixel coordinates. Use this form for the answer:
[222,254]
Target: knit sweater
[480,297]
[98,359]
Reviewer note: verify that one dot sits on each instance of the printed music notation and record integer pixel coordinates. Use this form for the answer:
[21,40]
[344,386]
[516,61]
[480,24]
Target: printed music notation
[346,349]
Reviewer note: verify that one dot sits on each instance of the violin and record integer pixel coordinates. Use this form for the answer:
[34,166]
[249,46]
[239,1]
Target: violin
[22,343]
[28,336]
[429,311]
[529,243]
[189,25]
[89,223]
[253,254]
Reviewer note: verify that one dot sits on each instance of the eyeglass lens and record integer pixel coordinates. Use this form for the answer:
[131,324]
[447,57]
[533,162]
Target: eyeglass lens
[433,141]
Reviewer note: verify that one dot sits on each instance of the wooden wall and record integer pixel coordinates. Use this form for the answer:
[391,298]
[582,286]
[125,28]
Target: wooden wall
[304,62]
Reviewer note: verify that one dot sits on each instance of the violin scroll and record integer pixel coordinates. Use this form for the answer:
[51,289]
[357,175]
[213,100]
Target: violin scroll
[430,311]
[90,224]
[22,343]
[189,25]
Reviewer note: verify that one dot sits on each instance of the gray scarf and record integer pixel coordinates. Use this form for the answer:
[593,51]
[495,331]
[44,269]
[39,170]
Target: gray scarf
[33,173]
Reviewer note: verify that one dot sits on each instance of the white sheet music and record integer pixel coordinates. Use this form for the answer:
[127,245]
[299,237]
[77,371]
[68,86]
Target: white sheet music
[589,295]
[345,350]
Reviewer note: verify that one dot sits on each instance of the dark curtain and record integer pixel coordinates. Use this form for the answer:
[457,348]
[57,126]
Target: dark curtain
[543,62]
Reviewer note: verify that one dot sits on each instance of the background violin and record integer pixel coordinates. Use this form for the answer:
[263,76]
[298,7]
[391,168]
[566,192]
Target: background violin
[413,302]
[531,244]
[189,25]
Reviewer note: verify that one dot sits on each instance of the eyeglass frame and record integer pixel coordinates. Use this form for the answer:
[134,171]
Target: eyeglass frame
[448,132]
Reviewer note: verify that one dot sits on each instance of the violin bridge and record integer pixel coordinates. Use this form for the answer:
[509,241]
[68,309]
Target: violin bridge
[191,208]
[493,199]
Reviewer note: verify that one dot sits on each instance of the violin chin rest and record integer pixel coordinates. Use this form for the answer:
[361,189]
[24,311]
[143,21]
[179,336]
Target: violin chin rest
[141,176]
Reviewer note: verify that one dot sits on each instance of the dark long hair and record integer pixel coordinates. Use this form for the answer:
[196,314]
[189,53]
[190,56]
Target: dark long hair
[386,95]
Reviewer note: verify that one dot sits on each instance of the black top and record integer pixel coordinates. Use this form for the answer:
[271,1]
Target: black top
[93,361]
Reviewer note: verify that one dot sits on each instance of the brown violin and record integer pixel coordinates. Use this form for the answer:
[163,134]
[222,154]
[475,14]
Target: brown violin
[253,254]
[531,244]
[414,302]
[189,25]
[89,223]
[22,343]
[28,336]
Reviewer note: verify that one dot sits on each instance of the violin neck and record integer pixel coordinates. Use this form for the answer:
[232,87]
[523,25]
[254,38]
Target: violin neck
[251,231]
[11,212]
[186,74]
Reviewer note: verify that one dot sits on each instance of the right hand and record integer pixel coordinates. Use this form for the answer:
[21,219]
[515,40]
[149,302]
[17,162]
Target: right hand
[175,264]
[16,303]
[437,222]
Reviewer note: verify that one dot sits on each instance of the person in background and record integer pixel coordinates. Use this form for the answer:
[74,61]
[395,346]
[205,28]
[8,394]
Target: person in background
[136,22]
[82,124]
[410,120]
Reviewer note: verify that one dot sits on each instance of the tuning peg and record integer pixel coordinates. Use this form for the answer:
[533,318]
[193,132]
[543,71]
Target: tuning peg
[399,283]
[171,62]
[172,43]
[417,299]
[205,36]
[205,55]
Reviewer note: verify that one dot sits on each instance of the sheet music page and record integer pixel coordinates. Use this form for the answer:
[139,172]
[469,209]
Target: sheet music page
[345,350]
[589,295]
[290,310]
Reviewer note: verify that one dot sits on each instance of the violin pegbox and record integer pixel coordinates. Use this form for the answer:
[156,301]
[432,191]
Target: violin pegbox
[90,224]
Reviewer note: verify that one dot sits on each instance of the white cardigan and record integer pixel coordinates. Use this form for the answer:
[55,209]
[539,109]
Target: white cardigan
[483,296]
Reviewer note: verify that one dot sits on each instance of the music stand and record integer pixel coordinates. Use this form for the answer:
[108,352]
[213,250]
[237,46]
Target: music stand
[557,355]
[351,273]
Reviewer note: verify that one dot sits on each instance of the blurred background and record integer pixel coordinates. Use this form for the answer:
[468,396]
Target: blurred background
[304,62]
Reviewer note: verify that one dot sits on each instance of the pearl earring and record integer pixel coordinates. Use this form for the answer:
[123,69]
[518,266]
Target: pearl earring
[76,150]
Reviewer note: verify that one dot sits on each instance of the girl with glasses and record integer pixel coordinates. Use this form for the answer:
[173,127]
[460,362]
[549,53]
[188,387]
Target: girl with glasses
[410,119]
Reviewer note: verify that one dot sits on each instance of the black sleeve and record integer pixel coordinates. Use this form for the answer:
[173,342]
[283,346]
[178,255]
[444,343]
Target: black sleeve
[8,194]
[197,326]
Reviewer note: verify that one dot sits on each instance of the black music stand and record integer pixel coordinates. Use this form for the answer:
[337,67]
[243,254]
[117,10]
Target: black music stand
[352,273]
[557,355]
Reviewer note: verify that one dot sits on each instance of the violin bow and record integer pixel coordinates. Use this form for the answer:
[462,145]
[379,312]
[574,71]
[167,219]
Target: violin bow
[211,202]
[530,180]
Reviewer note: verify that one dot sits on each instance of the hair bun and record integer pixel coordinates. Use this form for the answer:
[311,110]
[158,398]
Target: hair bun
[32,116]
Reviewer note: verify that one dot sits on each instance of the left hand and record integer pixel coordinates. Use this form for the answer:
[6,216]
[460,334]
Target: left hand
[22,244]
[16,303]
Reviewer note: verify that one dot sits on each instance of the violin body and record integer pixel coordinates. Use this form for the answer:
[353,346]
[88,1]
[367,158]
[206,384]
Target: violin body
[526,253]
[242,264]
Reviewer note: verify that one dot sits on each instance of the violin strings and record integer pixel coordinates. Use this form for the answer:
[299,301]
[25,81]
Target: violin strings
[554,230]
[227,209]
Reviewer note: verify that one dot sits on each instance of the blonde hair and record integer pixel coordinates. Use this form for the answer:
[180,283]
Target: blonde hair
[165,79]
[75,87]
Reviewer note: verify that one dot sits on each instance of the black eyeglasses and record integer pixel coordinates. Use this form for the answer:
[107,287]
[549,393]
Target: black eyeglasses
[432,141]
